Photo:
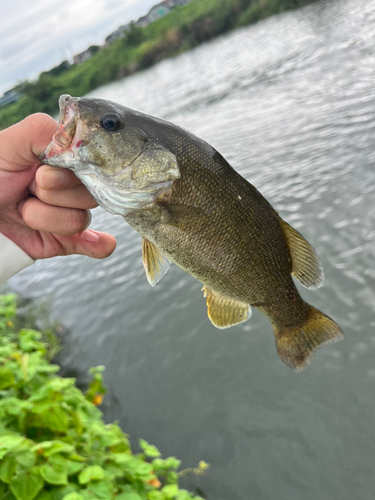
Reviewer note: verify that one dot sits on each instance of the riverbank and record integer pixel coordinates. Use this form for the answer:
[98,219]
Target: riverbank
[181,30]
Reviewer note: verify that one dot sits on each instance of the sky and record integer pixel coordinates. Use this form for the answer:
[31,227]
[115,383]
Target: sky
[36,35]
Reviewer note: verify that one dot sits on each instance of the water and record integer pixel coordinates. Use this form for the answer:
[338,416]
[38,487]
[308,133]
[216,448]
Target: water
[290,103]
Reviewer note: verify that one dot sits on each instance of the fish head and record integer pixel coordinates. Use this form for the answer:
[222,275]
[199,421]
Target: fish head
[114,158]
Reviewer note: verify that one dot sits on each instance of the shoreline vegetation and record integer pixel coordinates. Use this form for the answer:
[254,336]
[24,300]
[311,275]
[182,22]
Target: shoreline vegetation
[54,444]
[181,30]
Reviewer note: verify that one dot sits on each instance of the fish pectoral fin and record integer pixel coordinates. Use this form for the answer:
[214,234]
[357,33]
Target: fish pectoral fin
[224,312]
[306,265]
[155,263]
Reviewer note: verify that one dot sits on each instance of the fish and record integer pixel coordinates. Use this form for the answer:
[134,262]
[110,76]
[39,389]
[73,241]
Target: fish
[192,208]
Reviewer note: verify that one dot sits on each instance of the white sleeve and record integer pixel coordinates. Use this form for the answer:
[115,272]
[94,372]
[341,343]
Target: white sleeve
[12,259]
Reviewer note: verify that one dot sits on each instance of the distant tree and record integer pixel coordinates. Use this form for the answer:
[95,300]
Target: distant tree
[135,36]
[94,49]
[57,70]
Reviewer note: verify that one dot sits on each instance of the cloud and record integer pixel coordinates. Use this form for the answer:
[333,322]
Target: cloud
[36,36]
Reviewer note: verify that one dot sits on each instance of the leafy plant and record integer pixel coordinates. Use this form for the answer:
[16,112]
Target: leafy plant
[54,444]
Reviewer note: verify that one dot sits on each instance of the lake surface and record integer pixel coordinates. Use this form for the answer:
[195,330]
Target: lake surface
[290,102]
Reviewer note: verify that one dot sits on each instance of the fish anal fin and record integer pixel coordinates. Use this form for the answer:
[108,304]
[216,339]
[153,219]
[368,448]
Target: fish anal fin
[154,262]
[306,265]
[296,345]
[224,312]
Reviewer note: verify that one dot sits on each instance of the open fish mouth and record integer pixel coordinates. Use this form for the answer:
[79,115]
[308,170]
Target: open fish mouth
[71,131]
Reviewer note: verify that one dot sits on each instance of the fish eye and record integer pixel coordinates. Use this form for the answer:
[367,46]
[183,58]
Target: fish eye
[110,122]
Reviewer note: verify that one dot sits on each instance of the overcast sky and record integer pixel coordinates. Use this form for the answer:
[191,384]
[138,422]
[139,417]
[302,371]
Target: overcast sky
[36,35]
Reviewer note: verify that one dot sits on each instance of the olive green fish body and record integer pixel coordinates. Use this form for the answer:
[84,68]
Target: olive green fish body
[192,208]
[221,230]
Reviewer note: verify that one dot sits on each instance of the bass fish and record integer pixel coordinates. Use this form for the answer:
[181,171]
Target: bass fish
[192,208]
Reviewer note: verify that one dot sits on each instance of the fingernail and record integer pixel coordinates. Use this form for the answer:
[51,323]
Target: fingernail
[32,186]
[90,236]
[89,221]
[20,206]
[52,178]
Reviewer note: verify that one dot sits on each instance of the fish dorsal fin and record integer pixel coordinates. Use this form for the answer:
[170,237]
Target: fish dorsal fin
[306,265]
[154,262]
[224,312]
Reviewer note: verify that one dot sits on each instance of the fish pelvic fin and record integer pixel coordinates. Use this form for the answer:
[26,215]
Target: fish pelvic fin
[297,344]
[306,265]
[155,263]
[224,312]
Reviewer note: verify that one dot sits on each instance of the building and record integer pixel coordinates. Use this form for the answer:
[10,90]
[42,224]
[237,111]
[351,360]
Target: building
[86,54]
[158,11]
[119,33]
[142,22]
[9,96]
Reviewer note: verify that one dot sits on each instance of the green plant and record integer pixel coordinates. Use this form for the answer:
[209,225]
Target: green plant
[185,27]
[54,444]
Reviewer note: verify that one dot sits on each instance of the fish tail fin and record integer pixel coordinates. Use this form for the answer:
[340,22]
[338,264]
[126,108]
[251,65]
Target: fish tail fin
[296,345]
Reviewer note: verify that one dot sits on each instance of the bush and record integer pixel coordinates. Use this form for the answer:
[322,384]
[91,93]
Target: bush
[54,444]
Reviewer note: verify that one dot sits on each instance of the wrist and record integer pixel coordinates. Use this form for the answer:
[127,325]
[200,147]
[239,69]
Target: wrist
[12,259]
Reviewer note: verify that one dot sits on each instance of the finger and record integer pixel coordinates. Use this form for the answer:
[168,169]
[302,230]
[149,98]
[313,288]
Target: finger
[51,219]
[91,243]
[21,143]
[76,197]
[56,178]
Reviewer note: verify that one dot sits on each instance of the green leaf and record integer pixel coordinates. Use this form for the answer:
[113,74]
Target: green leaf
[170,490]
[26,459]
[155,495]
[128,496]
[149,449]
[55,471]
[172,477]
[101,490]
[113,470]
[51,447]
[113,436]
[137,467]
[3,487]
[9,442]
[172,463]
[13,406]
[8,496]
[73,496]
[183,495]
[91,473]
[7,468]
[59,492]
[158,464]
[56,418]
[76,457]
[74,467]
[44,495]
[6,377]
[48,368]
[121,458]
[26,486]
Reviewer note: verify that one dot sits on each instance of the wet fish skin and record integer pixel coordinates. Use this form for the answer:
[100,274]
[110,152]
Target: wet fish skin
[193,208]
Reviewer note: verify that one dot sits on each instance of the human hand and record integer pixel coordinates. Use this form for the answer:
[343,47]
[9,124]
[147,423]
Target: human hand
[44,210]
